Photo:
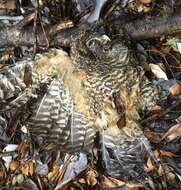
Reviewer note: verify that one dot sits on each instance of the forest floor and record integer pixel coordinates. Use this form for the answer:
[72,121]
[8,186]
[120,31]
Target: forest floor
[35,26]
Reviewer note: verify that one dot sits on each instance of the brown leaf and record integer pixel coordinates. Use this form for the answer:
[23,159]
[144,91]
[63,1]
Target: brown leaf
[31,168]
[109,182]
[22,148]
[166,153]
[13,181]
[82,180]
[152,136]
[54,173]
[165,49]
[28,168]
[91,177]
[170,176]
[14,164]
[178,119]
[175,90]
[28,76]
[25,170]
[173,133]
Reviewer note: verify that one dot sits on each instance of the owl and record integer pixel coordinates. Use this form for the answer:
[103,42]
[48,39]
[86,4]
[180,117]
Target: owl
[87,95]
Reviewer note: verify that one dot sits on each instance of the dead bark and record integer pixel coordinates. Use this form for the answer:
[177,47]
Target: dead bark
[154,27]
[138,30]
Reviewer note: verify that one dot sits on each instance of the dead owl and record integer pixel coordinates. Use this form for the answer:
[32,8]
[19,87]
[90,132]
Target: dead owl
[83,96]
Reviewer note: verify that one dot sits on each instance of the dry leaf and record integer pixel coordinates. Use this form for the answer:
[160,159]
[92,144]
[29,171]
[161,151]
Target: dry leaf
[165,49]
[28,168]
[133,186]
[152,136]
[31,168]
[156,154]
[150,165]
[158,72]
[170,176]
[109,182]
[22,148]
[54,173]
[13,181]
[175,90]
[14,164]
[178,119]
[25,170]
[91,178]
[27,79]
[166,153]
[82,180]
[173,133]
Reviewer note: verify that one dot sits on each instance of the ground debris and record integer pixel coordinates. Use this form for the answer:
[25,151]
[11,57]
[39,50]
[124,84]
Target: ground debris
[28,163]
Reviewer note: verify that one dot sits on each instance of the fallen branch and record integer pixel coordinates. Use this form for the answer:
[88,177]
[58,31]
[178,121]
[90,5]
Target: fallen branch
[138,30]
[154,27]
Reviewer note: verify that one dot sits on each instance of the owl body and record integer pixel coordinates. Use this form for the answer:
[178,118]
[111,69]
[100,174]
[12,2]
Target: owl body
[82,97]
[111,67]
[112,71]
[55,121]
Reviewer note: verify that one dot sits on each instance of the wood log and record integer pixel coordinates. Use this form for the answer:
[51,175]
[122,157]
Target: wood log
[138,30]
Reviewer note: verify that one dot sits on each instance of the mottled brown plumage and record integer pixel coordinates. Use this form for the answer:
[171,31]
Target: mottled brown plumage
[114,78]
[89,94]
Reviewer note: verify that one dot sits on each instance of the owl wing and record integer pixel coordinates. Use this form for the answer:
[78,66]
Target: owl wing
[55,121]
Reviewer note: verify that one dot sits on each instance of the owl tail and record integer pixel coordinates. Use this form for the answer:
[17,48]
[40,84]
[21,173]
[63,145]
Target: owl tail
[123,152]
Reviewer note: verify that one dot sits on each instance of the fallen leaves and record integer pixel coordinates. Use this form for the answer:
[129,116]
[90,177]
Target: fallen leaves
[173,133]
[28,168]
[91,177]
[53,175]
[150,165]
[161,170]
[109,182]
[14,164]
[152,136]
[22,148]
[158,72]
[175,90]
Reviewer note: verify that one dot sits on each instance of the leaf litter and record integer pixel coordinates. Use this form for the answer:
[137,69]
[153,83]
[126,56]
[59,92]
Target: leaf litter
[23,165]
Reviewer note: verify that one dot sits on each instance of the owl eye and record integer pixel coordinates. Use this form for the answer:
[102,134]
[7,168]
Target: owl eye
[90,43]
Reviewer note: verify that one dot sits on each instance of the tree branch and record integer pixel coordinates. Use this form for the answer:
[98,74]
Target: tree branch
[138,30]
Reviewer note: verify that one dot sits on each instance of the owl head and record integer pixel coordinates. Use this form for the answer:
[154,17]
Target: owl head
[106,49]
